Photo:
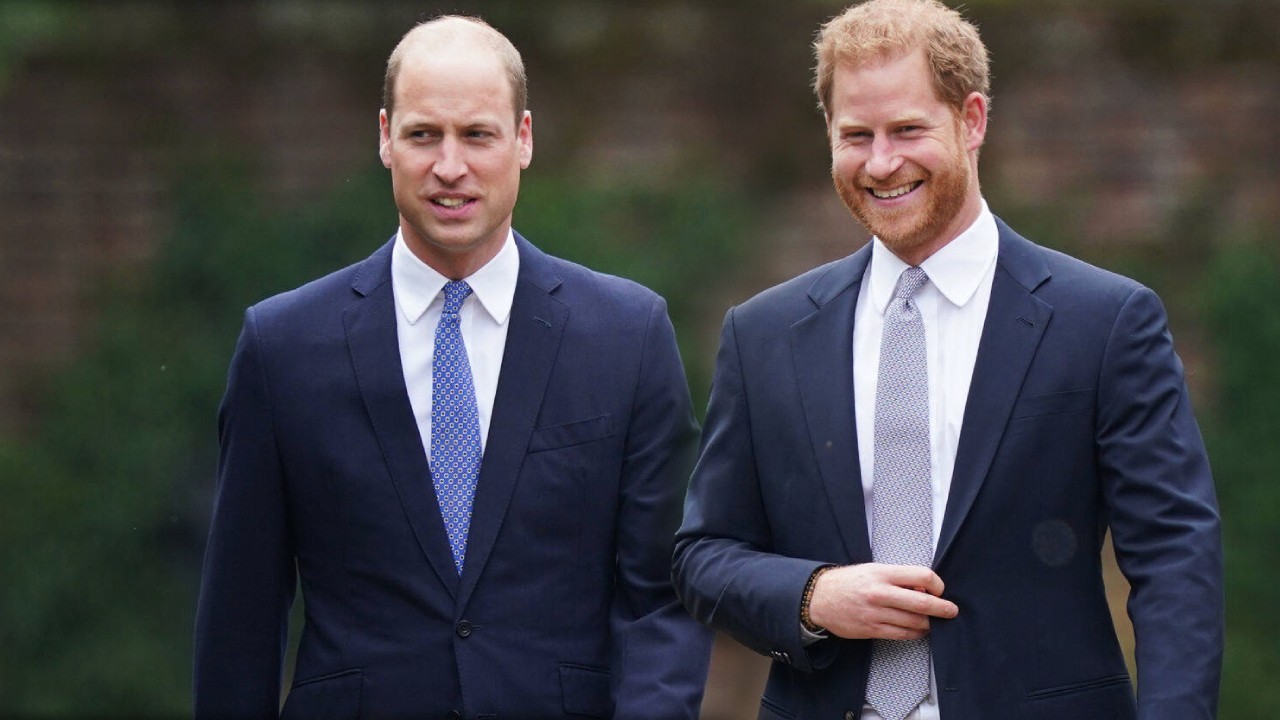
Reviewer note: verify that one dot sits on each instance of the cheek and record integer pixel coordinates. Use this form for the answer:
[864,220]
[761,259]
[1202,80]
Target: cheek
[413,166]
[499,173]
[845,164]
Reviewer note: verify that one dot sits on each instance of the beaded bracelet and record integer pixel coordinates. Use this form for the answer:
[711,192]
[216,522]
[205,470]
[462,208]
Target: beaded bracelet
[808,597]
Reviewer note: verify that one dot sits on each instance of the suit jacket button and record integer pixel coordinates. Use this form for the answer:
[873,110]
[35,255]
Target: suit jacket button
[850,715]
[464,629]
[453,715]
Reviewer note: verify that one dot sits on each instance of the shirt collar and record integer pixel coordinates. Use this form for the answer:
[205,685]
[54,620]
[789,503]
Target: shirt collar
[956,269]
[416,284]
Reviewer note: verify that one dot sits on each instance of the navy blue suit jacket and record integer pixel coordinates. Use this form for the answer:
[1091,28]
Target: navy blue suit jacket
[1077,420]
[565,607]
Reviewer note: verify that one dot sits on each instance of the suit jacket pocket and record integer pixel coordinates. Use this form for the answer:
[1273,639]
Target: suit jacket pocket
[329,697]
[1054,403]
[1107,697]
[585,691]
[770,710]
[569,434]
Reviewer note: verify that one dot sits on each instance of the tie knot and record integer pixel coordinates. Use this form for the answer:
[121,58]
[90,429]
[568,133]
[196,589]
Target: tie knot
[455,292]
[910,282]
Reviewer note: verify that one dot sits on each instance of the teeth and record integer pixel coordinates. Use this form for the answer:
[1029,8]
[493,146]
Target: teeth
[886,194]
[450,202]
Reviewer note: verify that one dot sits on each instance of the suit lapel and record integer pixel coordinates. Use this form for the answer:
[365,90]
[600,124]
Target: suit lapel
[1016,321]
[375,354]
[537,324]
[822,351]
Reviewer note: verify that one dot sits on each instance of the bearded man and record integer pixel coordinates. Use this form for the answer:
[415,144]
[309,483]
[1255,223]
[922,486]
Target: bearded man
[912,455]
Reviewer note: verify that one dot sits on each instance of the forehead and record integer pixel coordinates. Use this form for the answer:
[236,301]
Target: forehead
[456,75]
[885,84]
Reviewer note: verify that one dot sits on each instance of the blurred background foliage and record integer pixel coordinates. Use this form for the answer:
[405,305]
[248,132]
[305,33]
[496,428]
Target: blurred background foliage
[676,145]
[1240,294]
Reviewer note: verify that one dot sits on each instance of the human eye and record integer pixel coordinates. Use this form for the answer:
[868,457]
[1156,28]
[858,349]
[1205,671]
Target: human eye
[855,135]
[419,133]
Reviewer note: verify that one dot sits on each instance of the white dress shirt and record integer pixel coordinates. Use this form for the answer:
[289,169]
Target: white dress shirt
[419,296]
[953,308]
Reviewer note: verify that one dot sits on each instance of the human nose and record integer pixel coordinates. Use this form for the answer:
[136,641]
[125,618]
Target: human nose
[451,165]
[884,160]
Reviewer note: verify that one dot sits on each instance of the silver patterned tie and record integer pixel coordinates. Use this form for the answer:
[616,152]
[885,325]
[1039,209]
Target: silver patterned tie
[902,500]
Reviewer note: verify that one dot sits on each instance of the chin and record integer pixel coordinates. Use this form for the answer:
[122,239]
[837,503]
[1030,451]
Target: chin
[897,234]
[901,244]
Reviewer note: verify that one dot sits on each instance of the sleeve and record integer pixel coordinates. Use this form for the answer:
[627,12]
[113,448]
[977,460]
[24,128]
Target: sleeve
[247,585]
[724,567]
[661,654]
[1163,515]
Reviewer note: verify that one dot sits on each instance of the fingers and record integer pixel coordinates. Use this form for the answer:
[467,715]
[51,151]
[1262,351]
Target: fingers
[911,576]
[879,621]
[918,590]
[901,620]
[920,603]
[891,602]
[895,632]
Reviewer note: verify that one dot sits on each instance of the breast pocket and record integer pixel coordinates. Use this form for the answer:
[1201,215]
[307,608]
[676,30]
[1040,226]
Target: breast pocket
[564,435]
[1054,403]
[569,472]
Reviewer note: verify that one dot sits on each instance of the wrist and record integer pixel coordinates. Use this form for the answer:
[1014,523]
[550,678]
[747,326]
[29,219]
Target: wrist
[806,601]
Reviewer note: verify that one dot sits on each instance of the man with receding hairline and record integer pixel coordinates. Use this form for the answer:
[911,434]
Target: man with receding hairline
[912,455]
[471,455]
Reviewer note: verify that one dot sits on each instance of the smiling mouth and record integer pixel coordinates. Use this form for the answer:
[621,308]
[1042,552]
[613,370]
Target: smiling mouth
[451,203]
[895,192]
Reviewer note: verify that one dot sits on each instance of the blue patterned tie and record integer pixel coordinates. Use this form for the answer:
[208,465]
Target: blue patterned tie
[902,493]
[455,424]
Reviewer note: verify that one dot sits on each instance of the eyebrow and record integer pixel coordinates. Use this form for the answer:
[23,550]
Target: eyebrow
[413,123]
[909,119]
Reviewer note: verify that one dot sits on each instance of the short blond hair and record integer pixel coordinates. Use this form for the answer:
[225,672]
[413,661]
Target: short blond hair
[878,28]
[496,41]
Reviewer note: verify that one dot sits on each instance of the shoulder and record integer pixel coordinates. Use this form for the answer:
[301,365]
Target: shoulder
[800,296]
[602,285]
[325,297]
[1060,279]
[583,289]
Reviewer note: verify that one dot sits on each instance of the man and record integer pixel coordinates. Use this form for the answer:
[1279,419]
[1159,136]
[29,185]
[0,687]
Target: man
[911,455]
[470,451]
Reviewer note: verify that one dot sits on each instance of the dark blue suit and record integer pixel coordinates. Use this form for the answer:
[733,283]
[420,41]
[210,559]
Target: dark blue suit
[565,607]
[1077,420]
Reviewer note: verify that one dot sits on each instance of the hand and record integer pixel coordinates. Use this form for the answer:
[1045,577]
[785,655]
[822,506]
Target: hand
[872,600]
